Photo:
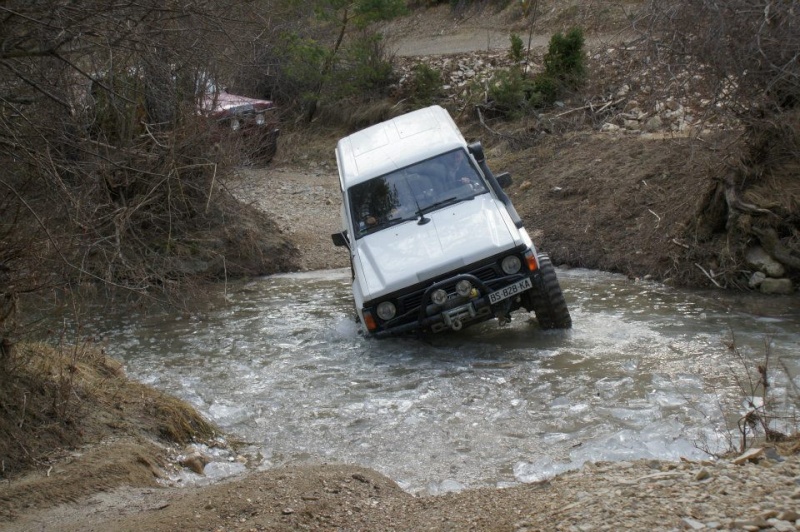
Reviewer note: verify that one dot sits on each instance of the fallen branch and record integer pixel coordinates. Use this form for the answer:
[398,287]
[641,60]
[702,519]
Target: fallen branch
[710,277]
[589,106]
[658,218]
[678,243]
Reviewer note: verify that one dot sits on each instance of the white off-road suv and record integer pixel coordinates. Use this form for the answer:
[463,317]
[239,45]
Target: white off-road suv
[435,243]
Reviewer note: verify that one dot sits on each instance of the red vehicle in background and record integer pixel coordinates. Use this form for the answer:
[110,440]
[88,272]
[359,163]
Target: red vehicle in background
[250,123]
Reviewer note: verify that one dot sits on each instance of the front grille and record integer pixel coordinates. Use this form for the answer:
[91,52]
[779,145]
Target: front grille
[485,272]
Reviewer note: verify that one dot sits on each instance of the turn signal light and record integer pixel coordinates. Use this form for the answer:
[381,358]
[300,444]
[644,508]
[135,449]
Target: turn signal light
[530,261]
[369,321]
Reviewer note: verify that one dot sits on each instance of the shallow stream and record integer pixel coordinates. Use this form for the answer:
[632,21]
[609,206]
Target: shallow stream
[647,371]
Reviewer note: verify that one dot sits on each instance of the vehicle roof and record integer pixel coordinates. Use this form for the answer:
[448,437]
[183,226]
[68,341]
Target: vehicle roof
[395,144]
[224,103]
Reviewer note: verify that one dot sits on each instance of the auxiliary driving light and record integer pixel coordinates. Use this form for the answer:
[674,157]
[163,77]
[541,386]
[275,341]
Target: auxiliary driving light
[439,297]
[463,287]
[386,310]
[511,264]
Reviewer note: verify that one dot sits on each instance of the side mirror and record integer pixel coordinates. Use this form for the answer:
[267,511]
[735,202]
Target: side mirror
[476,149]
[504,180]
[340,239]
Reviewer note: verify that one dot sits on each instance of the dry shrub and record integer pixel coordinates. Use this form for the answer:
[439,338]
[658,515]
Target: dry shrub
[358,115]
[54,399]
[749,47]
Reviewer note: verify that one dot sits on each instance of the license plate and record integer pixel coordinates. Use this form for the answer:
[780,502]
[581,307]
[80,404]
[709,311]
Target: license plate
[510,290]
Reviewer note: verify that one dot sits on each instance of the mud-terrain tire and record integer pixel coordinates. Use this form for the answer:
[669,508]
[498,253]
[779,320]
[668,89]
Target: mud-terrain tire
[547,300]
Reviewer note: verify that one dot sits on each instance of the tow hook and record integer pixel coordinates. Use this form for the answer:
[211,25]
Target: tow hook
[456,325]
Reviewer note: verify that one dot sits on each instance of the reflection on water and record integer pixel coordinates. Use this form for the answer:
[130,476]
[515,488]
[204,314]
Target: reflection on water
[280,364]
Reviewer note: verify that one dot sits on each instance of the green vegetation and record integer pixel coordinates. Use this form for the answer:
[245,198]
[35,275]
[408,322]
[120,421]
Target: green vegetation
[513,94]
[516,48]
[565,61]
[425,86]
[350,67]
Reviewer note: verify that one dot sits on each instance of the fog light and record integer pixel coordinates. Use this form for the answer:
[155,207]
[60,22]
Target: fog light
[439,297]
[386,310]
[463,287]
[511,264]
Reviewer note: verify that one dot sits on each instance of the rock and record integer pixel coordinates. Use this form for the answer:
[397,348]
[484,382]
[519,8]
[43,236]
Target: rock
[693,524]
[609,127]
[760,260]
[781,526]
[776,286]
[631,106]
[195,461]
[703,474]
[756,279]
[672,104]
[632,125]
[681,125]
[749,455]
[653,124]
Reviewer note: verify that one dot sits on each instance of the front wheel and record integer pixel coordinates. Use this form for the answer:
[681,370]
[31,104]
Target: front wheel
[546,300]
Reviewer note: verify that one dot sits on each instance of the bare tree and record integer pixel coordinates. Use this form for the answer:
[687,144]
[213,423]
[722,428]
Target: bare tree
[109,172]
[752,48]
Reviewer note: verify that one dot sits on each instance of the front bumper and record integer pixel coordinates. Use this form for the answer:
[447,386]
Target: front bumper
[458,311]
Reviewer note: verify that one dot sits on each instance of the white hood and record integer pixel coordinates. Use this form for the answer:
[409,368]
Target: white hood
[456,236]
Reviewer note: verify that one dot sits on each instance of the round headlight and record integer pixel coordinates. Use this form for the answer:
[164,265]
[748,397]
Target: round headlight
[511,264]
[439,297]
[463,287]
[386,310]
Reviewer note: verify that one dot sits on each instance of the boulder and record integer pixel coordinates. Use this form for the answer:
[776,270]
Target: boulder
[756,279]
[653,124]
[759,260]
[631,125]
[776,286]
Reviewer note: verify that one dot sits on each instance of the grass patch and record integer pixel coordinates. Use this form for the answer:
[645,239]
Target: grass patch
[53,399]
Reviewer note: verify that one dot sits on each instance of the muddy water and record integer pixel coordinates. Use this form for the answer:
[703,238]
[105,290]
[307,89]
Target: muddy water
[646,372]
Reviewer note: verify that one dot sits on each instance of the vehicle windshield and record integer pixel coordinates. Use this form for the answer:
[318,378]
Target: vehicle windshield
[407,194]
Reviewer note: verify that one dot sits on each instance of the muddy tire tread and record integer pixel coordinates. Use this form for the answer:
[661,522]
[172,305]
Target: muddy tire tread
[548,303]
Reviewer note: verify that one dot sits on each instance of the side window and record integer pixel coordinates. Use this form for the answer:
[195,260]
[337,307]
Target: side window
[461,178]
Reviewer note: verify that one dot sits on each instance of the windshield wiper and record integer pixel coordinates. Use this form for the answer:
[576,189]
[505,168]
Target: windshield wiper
[440,203]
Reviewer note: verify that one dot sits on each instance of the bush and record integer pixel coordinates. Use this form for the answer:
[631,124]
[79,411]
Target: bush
[749,48]
[543,91]
[425,85]
[297,66]
[514,95]
[508,93]
[565,60]
[516,47]
[365,71]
